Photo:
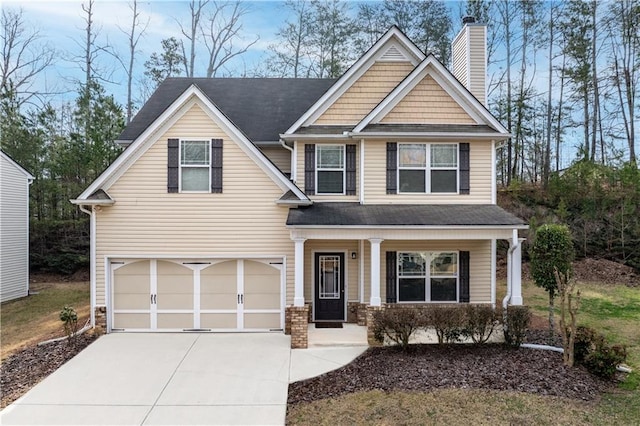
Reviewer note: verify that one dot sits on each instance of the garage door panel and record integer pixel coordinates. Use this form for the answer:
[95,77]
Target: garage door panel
[122,320]
[131,301]
[227,267]
[262,301]
[218,320]
[262,320]
[175,301]
[174,320]
[218,301]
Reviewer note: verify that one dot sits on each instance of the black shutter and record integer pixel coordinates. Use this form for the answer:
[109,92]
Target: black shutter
[464,276]
[464,152]
[392,257]
[310,169]
[216,166]
[392,168]
[351,169]
[173,163]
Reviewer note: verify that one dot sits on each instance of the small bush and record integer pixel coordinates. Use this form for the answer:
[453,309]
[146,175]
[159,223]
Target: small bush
[480,322]
[69,317]
[593,351]
[448,321]
[398,324]
[516,324]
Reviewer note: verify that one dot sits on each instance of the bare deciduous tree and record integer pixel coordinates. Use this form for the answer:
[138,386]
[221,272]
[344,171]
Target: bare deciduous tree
[191,33]
[24,56]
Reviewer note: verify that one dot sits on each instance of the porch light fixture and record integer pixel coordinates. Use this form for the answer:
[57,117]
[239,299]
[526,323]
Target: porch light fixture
[354,255]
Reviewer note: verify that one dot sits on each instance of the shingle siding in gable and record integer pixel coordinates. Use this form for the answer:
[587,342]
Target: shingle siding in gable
[366,93]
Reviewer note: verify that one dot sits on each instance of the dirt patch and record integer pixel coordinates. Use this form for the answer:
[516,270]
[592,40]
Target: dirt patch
[26,368]
[457,366]
[587,270]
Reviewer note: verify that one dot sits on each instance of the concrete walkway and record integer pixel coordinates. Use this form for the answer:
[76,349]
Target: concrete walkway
[162,378]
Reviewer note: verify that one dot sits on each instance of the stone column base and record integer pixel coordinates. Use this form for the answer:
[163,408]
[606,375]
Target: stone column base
[371,339]
[299,326]
[362,314]
[101,319]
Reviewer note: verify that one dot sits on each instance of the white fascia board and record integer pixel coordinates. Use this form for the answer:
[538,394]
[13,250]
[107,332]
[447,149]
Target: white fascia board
[294,203]
[431,66]
[185,101]
[430,135]
[92,202]
[355,72]
[300,137]
[410,227]
[17,166]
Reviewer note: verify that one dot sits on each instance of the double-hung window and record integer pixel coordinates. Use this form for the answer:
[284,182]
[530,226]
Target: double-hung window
[427,168]
[195,165]
[330,170]
[428,277]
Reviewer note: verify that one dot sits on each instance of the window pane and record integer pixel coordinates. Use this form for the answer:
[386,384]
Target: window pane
[412,155]
[411,290]
[443,290]
[412,264]
[444,155]
[444,264]
[330,156]
[412,181]
[195,179]
[444,181]
[330,182]
[195,153]
[329,277]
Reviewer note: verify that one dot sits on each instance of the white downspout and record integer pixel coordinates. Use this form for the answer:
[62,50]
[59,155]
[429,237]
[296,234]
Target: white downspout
[293,159]
[92,260]
[515,243]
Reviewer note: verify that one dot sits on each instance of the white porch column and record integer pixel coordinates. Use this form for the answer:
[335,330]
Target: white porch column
[298,295]
[375,271]
[516,274]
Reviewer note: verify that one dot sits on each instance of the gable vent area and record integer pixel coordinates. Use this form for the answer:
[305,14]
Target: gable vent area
[393,54]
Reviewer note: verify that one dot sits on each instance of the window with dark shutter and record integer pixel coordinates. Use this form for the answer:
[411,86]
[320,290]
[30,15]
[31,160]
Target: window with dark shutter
[465,151]
[392,257]
[392,168]
[464,276]
[351,169]
[216,166]
[310,169]
[173,165]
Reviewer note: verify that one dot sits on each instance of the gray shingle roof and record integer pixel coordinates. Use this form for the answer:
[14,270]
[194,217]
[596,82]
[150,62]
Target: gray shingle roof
[345,214]
[261,108]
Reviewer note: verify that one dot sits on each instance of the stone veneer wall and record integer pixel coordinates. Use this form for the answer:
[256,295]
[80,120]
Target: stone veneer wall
[101,319]
[299,326]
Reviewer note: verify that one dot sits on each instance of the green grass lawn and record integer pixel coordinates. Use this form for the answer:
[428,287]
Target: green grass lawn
[614,310]
[35,318]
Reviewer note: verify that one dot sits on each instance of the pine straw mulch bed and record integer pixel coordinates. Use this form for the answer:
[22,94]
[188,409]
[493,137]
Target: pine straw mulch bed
[429,367]
[26,368]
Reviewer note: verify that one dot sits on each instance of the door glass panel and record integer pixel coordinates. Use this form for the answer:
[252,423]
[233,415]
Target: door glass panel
[329,277]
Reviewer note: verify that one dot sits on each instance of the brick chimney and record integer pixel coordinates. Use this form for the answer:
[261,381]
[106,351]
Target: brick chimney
[470,57]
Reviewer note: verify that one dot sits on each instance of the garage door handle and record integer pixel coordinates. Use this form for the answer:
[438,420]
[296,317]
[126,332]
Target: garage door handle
[240,299]
[155,299]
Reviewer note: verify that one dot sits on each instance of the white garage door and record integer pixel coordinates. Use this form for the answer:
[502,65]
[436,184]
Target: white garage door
[216,295]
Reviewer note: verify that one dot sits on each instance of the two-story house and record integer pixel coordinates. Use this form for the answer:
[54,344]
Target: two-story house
[261,204]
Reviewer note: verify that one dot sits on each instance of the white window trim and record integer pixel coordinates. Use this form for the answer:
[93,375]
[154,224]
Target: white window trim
[427,278]
[427,168]
[180,166]
[343,169]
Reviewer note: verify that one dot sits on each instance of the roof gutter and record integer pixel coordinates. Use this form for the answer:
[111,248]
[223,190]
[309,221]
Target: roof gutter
[81,203]
[385,135]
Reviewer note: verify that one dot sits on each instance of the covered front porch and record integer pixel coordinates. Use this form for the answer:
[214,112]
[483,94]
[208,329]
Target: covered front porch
[351,259]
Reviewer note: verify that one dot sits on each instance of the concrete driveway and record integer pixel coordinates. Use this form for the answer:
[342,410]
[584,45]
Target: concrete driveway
[165,379]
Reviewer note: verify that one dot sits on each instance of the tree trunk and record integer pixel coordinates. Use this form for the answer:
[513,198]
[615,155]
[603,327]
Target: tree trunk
[552,328]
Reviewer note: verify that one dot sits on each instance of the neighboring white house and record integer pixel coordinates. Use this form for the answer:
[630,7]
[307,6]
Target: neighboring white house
[14,229]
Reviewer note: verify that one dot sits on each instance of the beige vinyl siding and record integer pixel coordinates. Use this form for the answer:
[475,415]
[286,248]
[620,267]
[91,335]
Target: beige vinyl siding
[242,221]
[459,51]
[480,264]
[366,93]
[14,231]
[327,246]
[478,62]
[428,103]
[299,179]
[279,156]
[375,191]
